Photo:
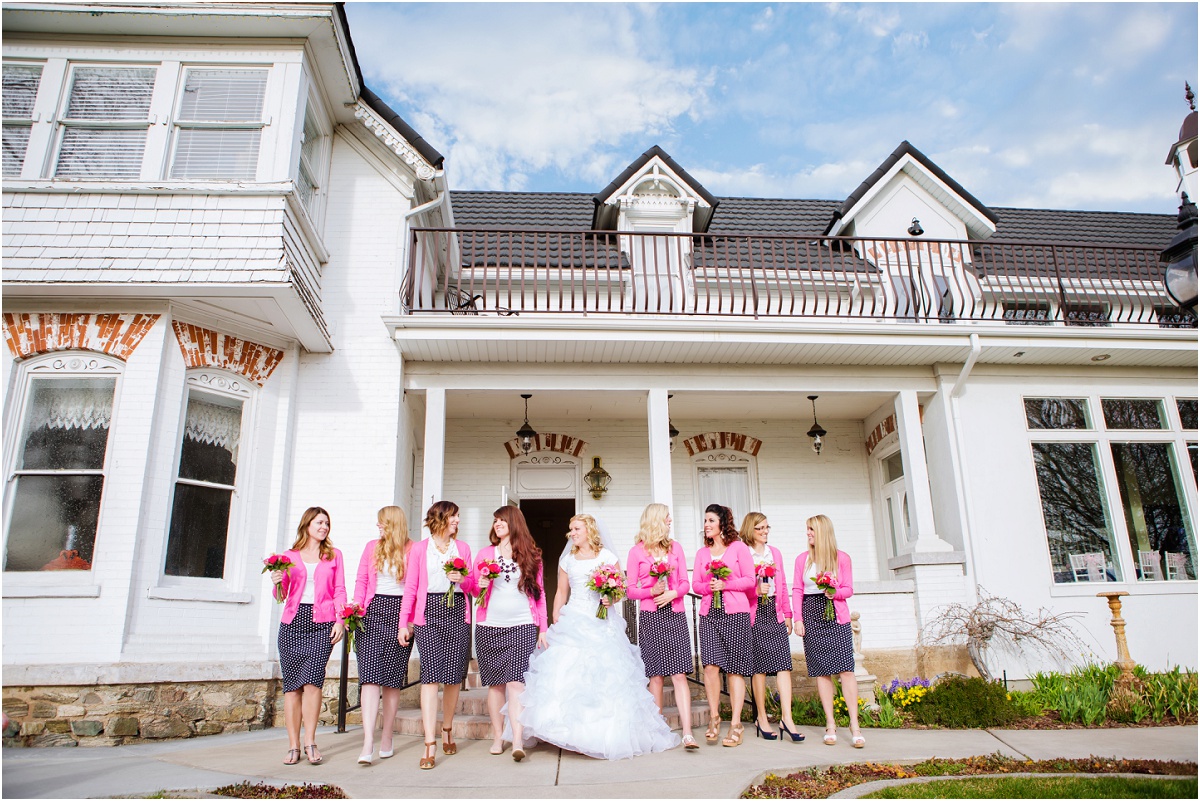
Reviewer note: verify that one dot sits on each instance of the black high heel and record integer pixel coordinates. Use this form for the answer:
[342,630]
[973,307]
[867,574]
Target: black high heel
[797,737]
[768,734]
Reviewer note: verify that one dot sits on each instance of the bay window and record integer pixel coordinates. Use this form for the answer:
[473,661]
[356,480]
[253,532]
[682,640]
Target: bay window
[218,126]
[20,89]
[105,123]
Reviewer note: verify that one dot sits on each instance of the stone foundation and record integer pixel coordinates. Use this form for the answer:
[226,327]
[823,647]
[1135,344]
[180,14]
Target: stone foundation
[898,663]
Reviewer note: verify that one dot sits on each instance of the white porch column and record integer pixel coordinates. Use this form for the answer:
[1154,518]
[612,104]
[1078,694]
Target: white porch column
[659,429]
[435,446]
[916,474]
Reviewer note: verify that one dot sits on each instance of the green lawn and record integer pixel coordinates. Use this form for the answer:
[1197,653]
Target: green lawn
[1045,787]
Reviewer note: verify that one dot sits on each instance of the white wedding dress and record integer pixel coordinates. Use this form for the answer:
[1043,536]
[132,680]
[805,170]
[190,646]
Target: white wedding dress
[587,692]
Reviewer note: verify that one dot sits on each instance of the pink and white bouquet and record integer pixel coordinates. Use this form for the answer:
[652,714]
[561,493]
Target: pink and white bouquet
[659,570]
[490,570]
[719,570]
[826,582]
[766,574]
[274,563]
[609,581]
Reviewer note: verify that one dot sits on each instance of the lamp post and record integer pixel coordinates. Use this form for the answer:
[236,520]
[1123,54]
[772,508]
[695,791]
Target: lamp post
[1180,256]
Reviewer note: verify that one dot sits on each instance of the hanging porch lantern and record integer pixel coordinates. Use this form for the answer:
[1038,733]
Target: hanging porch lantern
[525,433]
[816,432]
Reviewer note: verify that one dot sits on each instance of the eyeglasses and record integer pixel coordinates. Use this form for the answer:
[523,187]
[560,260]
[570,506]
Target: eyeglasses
[762,528]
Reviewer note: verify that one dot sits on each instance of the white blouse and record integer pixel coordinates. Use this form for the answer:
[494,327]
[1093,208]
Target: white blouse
[309,594]
[435,570]
[507,605]
[764,558]
[386,584]
[810,574]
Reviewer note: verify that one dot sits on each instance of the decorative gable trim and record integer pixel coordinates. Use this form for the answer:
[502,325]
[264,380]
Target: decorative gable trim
[557,443]
[393,141]
[672,194]
[114,334]
[202,347]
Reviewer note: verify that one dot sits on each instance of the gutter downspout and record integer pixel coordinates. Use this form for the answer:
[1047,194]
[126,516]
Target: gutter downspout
[961,384]
[443,193]
[960,387]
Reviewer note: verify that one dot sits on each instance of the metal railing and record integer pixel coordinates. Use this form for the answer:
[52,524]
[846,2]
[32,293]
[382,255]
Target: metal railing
[513,271]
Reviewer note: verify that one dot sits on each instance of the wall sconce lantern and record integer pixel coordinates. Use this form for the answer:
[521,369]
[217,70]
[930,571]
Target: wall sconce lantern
[816,432]
[526,433]
[671,429]
[597,479]
[915,229]
[1180,256]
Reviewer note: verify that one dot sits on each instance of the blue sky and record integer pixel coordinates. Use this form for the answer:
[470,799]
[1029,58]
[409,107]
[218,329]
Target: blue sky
[1070,106]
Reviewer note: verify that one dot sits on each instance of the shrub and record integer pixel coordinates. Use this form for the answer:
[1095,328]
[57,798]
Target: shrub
[1026,705]
[965,703]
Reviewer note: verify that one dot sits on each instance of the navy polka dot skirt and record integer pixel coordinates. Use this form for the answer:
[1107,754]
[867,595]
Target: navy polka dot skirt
[503,652]
[772,648]
[725,642]
[381,658]
[304,649]
[664,641]
[444,642]
[828,645]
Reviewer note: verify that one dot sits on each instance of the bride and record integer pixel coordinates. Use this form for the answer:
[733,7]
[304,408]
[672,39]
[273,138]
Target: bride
[586,692]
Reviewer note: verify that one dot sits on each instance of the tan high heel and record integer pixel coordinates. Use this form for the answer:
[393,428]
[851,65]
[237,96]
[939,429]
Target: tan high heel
[713,731]
[735,736]
[449,748]
[427,762]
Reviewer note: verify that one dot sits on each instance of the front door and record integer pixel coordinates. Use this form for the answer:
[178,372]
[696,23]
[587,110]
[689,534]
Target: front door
[548,520]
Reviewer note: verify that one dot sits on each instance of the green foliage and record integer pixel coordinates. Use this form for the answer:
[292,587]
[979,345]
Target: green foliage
[1172,693]
[1026,705]
[807,711]
[263,790]
[1080,696]
[1045,787]
[888,716]
[965,703]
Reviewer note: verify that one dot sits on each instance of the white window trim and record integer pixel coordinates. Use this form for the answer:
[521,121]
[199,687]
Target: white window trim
[310,99]
[1103,438]
[725,457]
[196,588]
[67,364]
[885,449]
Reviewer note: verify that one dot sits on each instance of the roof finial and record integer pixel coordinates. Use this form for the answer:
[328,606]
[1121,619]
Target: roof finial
[1191,98]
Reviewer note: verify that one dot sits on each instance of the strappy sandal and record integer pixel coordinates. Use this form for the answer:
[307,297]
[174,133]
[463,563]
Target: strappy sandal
[856,739]
[430,757]
[735,736]
[713,731]
[689,743]
[314,756]
[448,748]
[830,737]
[293,757]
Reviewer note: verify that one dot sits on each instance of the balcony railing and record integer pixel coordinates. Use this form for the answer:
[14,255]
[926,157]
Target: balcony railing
[512,271]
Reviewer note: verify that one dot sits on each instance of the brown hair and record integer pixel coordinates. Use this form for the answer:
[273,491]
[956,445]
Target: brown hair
[728,533]
[437,519]
[392,549]
[748,523]
[310,514]
[526,552]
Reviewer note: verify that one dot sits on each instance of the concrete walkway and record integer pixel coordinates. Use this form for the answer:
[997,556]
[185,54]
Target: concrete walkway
[713,772]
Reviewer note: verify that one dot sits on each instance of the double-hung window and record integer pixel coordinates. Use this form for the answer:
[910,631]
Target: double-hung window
[219,122]
[19,91]
[104,125]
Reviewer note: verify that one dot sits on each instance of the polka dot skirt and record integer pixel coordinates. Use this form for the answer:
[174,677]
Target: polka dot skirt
[664,641]
[444,642]
[828,645]
[304,650]
[503,652]
[725,642]
[772,649]
[381,658]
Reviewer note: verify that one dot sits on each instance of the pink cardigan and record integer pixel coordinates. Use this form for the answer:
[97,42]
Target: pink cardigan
[329,590]
[471,584]
[783,602]
[845,588]
[739,594]
[416,583]
[364,582]
[641,585]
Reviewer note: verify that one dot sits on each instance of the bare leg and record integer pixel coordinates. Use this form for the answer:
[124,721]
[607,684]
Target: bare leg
[656,689]
[712,693]
[310,705]
[449,703]
[784,681]
[495,702]
[515,688]
[391,703]
[429,711]
[683,702]
[368,696]
[292,709]
[850,690]
[758,682]
[825,691]
[737,696]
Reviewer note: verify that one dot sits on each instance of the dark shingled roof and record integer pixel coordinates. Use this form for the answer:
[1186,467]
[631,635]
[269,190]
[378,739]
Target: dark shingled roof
[701,217]
[1092,227]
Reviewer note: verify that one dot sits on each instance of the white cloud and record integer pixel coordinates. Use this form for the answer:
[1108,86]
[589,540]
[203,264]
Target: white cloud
[762,22]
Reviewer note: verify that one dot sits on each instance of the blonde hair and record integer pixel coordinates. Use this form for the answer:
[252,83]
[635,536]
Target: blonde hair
[325,551]
[653,532]
[748,523]
[392,548]
[823,551]
[593,532]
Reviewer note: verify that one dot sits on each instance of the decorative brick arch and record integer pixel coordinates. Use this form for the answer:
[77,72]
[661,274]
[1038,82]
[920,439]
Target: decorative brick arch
[722,440]
[205,348]
[885,427]
[558,443]
[113,334]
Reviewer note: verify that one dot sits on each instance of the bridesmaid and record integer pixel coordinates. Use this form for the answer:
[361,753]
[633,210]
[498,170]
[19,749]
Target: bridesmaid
[436,610]
[725,632]
[828,644]
[663,635]
[511,620]
[382,660]
[769,634]
[315,587]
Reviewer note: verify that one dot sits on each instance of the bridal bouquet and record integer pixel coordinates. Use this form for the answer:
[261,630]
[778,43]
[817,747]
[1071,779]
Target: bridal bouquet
[489,570]
[720,570]
[609,581]
[352,615]
[826,582]
[455,565]
[274,563]
[659,570]
[766,574]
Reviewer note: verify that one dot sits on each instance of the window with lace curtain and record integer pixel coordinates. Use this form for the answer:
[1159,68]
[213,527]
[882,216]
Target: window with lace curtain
[204,486]
[59,474]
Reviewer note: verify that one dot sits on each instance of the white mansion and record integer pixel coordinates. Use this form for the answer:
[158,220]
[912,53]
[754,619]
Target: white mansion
[236,284]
